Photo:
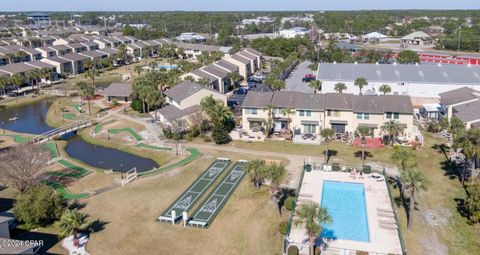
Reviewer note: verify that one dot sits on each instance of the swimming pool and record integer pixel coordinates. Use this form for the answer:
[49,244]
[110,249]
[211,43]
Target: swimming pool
[345,202]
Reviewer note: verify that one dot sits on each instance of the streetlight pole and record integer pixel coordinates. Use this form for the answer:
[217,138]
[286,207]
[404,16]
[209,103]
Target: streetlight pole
[459,38]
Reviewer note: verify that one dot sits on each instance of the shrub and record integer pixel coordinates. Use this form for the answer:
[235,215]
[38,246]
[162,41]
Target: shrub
[195,131]
[433,127]
[283,227]
[168,133]
[188,136]
[114,102]
[205,126]
[207,139]
[220,135]
[289,203]
[136,105]
[38,207]
[367,169]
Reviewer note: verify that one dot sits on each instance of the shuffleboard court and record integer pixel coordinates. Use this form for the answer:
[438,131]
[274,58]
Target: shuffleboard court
[209,209]
[188,198]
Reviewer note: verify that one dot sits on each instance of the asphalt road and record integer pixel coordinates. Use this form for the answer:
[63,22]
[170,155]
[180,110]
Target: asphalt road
[294,81]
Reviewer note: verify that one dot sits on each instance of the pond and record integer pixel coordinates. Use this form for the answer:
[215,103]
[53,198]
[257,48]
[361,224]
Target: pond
[107,158]
[30,118]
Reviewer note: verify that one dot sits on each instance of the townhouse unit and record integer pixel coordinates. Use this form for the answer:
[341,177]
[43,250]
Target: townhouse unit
[247,60]
[420,82]
[192,50]
[90,45]
[46,52]
[308,113]
[77,47]
[61,49]
[463,103]
[17,53]
[183,101]
[217,73]
[72,63]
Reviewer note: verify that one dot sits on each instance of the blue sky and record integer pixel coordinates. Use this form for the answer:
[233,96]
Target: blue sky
[229,5]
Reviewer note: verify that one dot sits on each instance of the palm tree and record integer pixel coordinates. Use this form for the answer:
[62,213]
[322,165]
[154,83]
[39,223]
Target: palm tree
[276,174]
[385,89]
[92,74]
[469,142]
[288,112]
[142,87]
[122,52]
[255,170]
[138,69]
[189,78]
[327,134]
[268,123]
[340,87]
[3,83]
[312,216]
[277,85]
[21,55]
[17,80]
[71,222]
[316,85]
[413,182]
[11,57]
[234,77]
[88,64]
[404,158]
[361,82]
[392,128]
[204,82]
[88,91]
[46,74]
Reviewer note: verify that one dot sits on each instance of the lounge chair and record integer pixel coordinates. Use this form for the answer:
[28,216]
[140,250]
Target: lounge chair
[384,210]
[305,195]
[384,214]
[387,221]
[388,226]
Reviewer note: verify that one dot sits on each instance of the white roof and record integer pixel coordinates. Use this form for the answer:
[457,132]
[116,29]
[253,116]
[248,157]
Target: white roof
[416,35]
[432,107]
[375,35]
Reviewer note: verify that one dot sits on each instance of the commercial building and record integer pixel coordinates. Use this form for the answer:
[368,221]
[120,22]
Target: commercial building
[463,103]
[417,81]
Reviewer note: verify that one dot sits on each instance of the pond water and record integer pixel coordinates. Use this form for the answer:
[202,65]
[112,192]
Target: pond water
[107,158]
[31,117]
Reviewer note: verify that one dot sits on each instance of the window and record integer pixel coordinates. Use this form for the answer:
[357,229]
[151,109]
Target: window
[309,129]
[333,113]
[301,113]
[393,115]
[277,111]
[363,116]
[252,111]
[309,113]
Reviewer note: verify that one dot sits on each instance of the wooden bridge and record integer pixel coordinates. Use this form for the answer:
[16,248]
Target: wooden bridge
[54,133]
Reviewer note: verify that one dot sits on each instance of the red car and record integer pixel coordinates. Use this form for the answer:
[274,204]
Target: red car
[309,77]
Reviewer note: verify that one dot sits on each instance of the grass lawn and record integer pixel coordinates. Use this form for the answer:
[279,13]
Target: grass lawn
[248,224]
[98,128]
[52,148]
[64,111]
[194,154]
[128,130]
[22,100]
[142,145]
[17,138]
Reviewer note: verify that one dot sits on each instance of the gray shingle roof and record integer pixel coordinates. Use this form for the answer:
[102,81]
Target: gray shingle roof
[118,90]
[240,58]
[205,75]
[17,68]
[459,95]
[330,101]
[298,100]
[183,90]
[172,113]
[227,65]
[216,71]
[429,74]
[93,54]
[74,57]
[467,112]
[247,55]
[257,99]
[254,52]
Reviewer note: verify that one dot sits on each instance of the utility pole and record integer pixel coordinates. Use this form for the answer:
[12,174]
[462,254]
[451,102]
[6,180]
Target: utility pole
[459,38]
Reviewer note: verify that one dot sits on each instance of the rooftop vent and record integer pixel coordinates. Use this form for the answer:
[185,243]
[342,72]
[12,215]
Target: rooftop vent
[355,62]
[376,63]
[394,63]
[439,64]
[416,64]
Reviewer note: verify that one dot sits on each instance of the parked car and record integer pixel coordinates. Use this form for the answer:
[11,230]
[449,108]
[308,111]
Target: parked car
[309,77]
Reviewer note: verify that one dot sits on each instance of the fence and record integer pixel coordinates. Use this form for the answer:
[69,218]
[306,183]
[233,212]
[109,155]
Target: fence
[130,176]
[317,166]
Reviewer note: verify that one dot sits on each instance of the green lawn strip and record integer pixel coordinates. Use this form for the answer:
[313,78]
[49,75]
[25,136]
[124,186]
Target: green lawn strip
[69,116]
[80,171]
[52,148]
[17,138]
[77,107]
[194,154]
[129,130]
[65,193]
[99,127]
[142,145]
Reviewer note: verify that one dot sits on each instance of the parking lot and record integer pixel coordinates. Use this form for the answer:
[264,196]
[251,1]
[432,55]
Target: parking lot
[294,81]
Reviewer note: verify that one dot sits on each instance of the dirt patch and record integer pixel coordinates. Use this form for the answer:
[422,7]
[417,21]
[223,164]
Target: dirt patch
[432,246]
[437,217]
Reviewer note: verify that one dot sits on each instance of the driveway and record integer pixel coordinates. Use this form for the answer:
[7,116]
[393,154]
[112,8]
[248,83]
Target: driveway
[294,81]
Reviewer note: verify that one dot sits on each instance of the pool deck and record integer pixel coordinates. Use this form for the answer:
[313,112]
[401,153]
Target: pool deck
[382,240]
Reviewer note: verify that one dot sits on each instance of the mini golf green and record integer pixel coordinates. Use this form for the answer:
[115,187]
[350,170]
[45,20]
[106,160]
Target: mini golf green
[69,116]
[17,138]
[77,107]
[52,148]
[65,193]
[129,130]
[99,127]
[79,173]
